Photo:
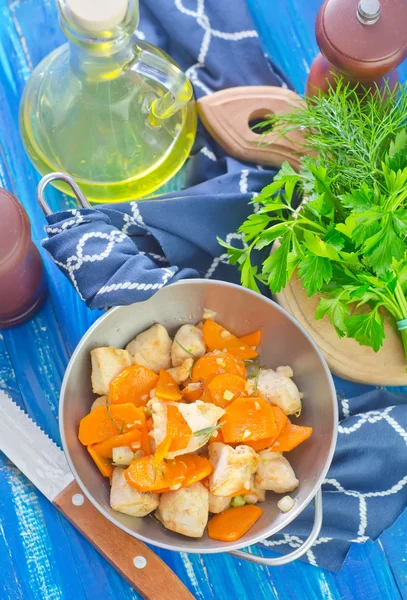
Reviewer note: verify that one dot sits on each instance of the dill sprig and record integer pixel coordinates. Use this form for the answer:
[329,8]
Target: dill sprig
[119,427]
[349,132]
[256,382]
[185,349]
[208,432]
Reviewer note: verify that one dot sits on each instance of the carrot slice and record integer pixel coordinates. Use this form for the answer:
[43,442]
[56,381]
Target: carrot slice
[217,363]
[145,444]
[231,524]
[178,429]
[191,394]
[217,337]
[225,388]
[248,419]
[103,464]
[240,492]
[198,468]
[216,437]
[166,388]
[162,449]
[281,418]
[106,421]
[105,448]
[178,435]
[143,475]
[281,422]
[290,437]
[252,339]
[134,384]
[261,444]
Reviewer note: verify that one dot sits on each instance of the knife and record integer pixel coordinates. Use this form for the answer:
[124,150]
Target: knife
[40,459]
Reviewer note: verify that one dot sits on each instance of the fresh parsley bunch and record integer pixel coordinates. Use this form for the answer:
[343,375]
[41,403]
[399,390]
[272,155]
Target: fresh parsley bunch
[347,239]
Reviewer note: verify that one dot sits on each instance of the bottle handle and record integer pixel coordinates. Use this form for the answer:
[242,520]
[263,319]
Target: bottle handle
[179,88]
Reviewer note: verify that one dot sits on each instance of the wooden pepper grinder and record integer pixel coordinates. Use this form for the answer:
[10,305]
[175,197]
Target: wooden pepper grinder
[22,283]
[363,40]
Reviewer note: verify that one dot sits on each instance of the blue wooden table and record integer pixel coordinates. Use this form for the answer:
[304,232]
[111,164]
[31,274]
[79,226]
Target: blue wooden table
[41,555]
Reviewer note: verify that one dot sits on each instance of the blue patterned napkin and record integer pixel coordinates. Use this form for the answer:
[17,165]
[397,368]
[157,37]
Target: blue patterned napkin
[122,253]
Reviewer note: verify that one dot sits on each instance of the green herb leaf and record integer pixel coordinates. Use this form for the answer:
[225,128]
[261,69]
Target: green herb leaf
[347,227]
[207,432]
[314,271]
[268,236]
[234,254]
[399,161]
[398,144]
[367,329]
[254,225]
[185,349]
[380,249]
[275,266]
[334,239]
[359,200]
[336,310]
[400,222]
[120,428]
[237,501]
[248,275]
[256,381]
[319,247]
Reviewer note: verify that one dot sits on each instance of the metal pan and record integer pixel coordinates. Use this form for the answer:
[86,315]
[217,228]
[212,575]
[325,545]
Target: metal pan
[284,342]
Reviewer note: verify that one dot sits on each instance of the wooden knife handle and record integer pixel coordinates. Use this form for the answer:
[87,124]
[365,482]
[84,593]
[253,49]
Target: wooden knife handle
[154,581]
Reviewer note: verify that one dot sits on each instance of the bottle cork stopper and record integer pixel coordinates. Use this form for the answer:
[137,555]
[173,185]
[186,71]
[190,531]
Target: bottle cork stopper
[94,16]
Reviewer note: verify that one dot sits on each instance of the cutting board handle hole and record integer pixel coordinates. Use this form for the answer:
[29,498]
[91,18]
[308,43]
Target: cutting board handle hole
[256,118]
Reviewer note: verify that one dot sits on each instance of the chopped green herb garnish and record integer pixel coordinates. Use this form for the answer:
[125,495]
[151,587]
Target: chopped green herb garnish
[120,428]
[208,432]
[256,382]
[185,349]
[237,501]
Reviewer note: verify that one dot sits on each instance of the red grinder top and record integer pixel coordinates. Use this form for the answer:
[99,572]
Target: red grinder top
[363,38]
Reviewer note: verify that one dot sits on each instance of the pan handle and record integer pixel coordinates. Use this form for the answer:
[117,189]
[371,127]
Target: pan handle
[66,179]
[287,558]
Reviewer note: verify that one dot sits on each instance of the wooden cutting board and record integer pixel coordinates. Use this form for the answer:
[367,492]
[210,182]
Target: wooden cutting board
[345,357]
[229,115]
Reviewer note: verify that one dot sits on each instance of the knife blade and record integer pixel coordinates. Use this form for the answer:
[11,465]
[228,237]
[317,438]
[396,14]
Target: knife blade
[45,465]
